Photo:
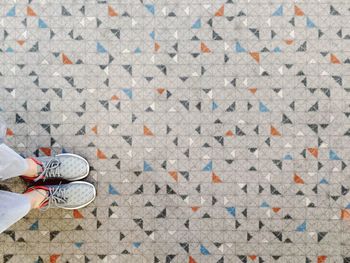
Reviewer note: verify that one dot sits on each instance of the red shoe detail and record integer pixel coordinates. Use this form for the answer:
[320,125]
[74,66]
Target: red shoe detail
[31,189]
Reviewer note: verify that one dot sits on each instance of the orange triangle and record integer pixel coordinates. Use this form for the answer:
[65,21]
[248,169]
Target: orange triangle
[298,11]
[30,11]
[156,46]
[345,214]
[20,42]
[94,129]
[313,151]
[53,258]
[255,56]
[220,11]
[229,133]
[321,259]
[191,260]
[204,48]
[46,151]
[252,257]
[276,209]
[114,97]
[289,41]
[252,90]
[334,59]
[173,174]
[298,179]
[195,208]
[77,214]
[274,131]
[160,90]
[215,179]
[9,132]
[100,155]
[147,131]
[111,11]
[66,60]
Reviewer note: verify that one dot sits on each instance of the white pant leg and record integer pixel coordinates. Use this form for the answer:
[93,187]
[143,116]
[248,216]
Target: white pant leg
[12,208]
[11,163]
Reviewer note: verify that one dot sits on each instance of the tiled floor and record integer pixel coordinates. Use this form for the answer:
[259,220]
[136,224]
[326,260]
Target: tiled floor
[217,131]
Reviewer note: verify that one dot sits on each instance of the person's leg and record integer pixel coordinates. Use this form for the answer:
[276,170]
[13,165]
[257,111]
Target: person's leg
[65,166]
[73,195]
[12,164]
[14,206]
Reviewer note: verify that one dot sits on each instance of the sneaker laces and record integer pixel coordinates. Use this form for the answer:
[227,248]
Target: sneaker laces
[56,196]
[50,170]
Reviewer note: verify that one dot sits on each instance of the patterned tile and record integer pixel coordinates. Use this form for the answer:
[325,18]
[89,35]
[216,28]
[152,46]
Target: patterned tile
[217,131]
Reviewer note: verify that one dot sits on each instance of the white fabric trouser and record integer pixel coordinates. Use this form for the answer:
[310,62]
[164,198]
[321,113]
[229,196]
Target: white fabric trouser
[12,206]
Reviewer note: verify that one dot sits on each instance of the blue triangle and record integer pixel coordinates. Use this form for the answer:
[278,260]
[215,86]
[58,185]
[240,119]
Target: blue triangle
[302,227]
[147,167]
[9,50]
[152,35]
[150,8]
[128,92]
[100,48]
[262,107]
[64,150]
[309,23]
[239,48]
[264,204]
[41,23]
[204,251]
[323,181]
[136,244]
[208,167]
[137,50]
[34,226]
[197,24]
[112,190]
[78,244]
[277,50]
[288,157]
[231,210]
[12,11]
[333,155]
[214,106]
[279,11]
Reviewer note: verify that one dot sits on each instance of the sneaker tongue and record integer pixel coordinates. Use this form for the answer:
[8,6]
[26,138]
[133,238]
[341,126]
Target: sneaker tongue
[60,197]
[60,201]
[39,168]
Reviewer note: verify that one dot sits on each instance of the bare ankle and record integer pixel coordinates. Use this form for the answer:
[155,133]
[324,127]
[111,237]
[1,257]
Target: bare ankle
[36,197]
[33,168]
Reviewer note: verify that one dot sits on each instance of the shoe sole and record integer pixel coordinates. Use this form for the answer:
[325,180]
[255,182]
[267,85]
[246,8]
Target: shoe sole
[86,204]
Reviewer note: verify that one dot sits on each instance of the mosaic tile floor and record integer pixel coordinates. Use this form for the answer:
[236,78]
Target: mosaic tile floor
[217,131]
